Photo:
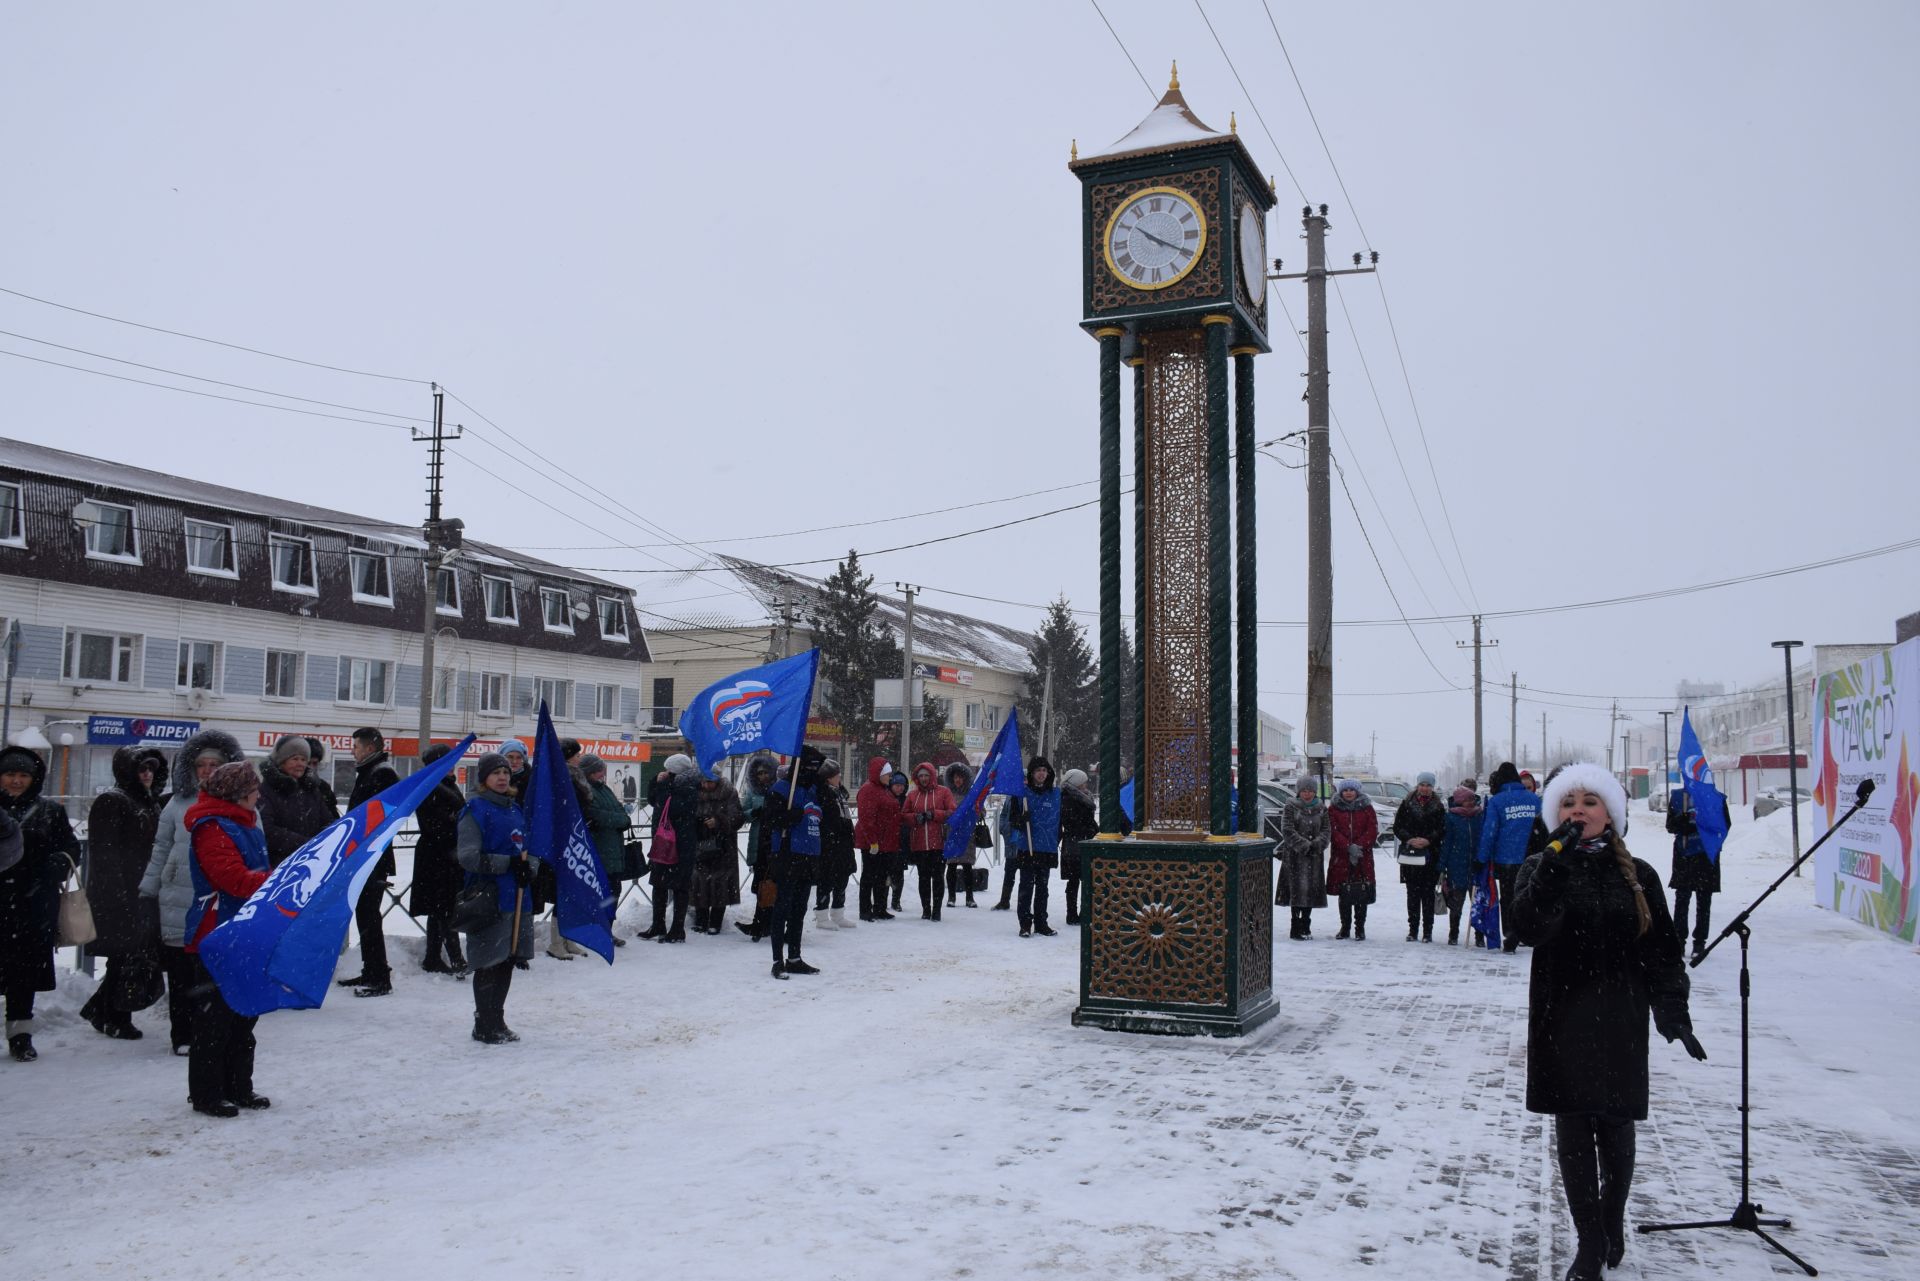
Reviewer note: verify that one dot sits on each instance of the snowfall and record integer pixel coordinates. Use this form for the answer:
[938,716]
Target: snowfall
[925,1108]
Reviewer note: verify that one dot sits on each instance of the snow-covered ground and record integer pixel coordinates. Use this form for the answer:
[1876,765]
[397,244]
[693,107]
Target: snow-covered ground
[925,1109]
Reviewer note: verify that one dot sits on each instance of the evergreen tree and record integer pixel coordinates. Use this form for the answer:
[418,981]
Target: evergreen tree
[1073,723]
[930,733]
[856,649]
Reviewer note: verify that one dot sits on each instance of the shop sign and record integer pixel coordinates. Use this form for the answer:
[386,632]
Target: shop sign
[946,675]
[122,730]
[607,749]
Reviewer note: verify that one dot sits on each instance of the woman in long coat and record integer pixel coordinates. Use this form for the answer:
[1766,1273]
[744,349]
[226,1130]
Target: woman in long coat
[1420,825]
[1301,841]
[1457,848]
[716,859]
[30,892]
[436,873]
[492,849]
[120,828]
[1605,957]
[1353,828]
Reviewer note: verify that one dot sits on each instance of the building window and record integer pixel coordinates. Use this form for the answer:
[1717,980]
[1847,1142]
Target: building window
[109,528]
[446,592]
[292,563]
[364,680]
[13,525]
[443,689]
[493,693]
[100,656]
[973,716]
[210,549]
[500,602]
[554,695]
[553,610]
[606,702]
[198,667]
[613,619]
[371,586]
[283,674]
[661,713]
[991,720]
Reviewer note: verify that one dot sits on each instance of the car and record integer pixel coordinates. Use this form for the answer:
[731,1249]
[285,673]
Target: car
[1778,798]
[1386,796]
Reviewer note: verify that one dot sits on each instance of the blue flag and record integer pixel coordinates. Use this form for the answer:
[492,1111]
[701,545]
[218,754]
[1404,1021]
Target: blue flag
[1001,774]
[1485,916]
[279,950]
[557,835]
[1696,776]
[760,709]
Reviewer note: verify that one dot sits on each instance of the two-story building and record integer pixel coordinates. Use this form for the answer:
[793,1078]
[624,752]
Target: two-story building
[139,606]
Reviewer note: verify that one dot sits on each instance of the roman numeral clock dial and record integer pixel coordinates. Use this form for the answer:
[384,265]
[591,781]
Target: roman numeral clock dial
[1156,238]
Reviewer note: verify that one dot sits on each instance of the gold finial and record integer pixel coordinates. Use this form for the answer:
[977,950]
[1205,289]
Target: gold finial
[1233,122]
[1273,188]
[1074,151]
[1176,79]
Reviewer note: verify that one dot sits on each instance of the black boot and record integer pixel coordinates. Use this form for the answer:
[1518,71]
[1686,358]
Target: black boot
[20,1046]
[1615,1141]
[1580,1179]
[659,927]
[797,966]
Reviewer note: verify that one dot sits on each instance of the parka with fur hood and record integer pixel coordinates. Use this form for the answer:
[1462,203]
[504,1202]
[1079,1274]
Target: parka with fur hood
[121,825]
[169,875]
[926,810]
[30,889]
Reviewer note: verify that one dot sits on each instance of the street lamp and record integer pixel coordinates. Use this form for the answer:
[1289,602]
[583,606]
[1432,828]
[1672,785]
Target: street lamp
[1786,648]
[1322,753]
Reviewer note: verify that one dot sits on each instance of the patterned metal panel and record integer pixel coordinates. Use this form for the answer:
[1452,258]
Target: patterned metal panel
[1256,926]
[1176,639]
[1205,281]
[1159,931]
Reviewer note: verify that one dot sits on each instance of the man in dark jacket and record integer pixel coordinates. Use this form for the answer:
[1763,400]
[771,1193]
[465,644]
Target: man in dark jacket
[793,815]
[373,774]
[1032,827]
[1695,876]
[1079,821]
[436,873]
[120,827]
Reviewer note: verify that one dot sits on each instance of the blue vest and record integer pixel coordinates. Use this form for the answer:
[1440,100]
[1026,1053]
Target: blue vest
[1043,820]
[252,844]
[503,832]
[802,837]
[1508,824]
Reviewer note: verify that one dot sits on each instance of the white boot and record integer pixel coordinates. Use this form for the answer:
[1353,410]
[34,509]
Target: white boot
[556,943]
[840,919]
[820,919]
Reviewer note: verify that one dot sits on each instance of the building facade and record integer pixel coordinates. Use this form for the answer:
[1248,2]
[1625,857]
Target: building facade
[141,607]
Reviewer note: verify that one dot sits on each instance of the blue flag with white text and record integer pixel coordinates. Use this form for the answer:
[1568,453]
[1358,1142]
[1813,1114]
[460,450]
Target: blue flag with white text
[1002,773]
[1485,915]
[279,950]
[763,709]
[557,835]
[1709,806]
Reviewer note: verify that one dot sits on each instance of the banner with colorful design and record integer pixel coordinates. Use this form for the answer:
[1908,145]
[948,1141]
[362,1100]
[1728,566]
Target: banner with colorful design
[1866,724]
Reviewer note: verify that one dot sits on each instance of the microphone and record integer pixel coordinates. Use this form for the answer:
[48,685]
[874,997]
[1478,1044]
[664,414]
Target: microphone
[1564,835]
[1865,790]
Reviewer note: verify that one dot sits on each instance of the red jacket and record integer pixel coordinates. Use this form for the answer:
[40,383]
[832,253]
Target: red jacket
[218,862]
[929,837]
[878,826]
[1358,826]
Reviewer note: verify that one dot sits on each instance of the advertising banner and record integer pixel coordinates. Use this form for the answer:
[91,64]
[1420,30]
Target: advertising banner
[1866,724]
[123,731]
[607,749]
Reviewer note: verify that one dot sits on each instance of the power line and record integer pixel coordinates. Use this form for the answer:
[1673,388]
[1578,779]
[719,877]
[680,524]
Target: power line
[189,391]
[1342,473]
[295,360]
[1250,102]
[1123,48]
[161,369]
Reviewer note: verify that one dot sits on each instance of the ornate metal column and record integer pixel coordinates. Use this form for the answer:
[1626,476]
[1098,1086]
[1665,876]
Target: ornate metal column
[1109,581]
[1139,365]
[1219,332]
[1244,541]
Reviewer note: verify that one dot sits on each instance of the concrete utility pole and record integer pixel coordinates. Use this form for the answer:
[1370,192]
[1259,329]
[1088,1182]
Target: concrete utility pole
[1666,770]
[1319,474]
[1373,753]
[1046,710]
[1613,718]
[1786,649]
[1626,764]
[1543,740]
[1513,714]
[909,591]
[439,535]
[1479,740]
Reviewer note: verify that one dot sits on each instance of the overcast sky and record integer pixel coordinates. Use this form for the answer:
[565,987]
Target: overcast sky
[756,268]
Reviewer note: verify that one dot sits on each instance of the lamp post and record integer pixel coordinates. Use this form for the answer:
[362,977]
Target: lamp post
[1320,753]
[1786,648]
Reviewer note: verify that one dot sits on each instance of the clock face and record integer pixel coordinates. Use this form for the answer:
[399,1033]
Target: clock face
[1253,253]
[1156,238]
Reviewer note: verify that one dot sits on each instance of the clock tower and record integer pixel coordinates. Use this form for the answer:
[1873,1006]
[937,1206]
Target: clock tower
[1179,915]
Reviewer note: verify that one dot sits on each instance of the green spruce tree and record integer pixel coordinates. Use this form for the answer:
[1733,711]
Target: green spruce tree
[856,648]
[1073,722]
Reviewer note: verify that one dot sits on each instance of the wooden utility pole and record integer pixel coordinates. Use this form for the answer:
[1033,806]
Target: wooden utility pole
[909,591]
[439,535]
[1479,740]
[1319,474]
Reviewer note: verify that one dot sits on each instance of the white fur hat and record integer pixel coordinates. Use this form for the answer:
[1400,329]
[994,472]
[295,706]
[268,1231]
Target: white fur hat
[1586,776]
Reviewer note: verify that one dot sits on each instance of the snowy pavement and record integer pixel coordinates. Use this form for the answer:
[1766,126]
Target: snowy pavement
[925,1109]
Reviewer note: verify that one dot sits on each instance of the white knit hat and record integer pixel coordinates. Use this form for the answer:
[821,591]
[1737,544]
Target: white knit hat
[1586,776]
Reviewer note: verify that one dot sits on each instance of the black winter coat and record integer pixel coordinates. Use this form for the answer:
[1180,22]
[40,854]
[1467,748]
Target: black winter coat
[681,796]
[436,876]
[1079,822]
[370,778]
[293,811]
[1429,820]
[30,889]
[836,836]
[120,829]
[1692,869]
[1594,981]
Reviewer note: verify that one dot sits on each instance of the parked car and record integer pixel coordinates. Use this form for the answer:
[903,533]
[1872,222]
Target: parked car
[1778,798]
[1386,797]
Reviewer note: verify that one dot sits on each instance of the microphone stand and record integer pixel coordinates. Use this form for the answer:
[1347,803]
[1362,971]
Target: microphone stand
[1746,1215]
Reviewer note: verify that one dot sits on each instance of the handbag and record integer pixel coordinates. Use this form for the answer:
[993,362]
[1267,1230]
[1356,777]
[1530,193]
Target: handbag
[979,878]
[76,916]
[982,838]
[1357,893]
[476,907]
[666,844]
[767,894]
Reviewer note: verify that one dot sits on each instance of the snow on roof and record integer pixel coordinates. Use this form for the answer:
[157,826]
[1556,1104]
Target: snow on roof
[1170,124]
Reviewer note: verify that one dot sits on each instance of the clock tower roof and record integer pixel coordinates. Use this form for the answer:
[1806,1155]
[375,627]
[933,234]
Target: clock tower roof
[1170,126]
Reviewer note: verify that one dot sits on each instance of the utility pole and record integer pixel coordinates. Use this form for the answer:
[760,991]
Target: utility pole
[909,591]
[1046,709]
[1613,718]
[1666,770]
[1479,741]
[439,535]
[1513,714]
[1543,740]
[1786,648]
[1373,752]
[1626,764]
[1319,474]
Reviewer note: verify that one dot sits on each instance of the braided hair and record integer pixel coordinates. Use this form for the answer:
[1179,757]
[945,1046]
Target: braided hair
[1624,858]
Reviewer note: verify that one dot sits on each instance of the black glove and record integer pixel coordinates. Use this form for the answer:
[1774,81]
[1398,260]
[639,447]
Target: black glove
[522,871]
[1693,1045]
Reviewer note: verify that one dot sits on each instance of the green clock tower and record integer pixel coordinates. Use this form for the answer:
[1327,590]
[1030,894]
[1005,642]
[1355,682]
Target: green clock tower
[1179,915]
